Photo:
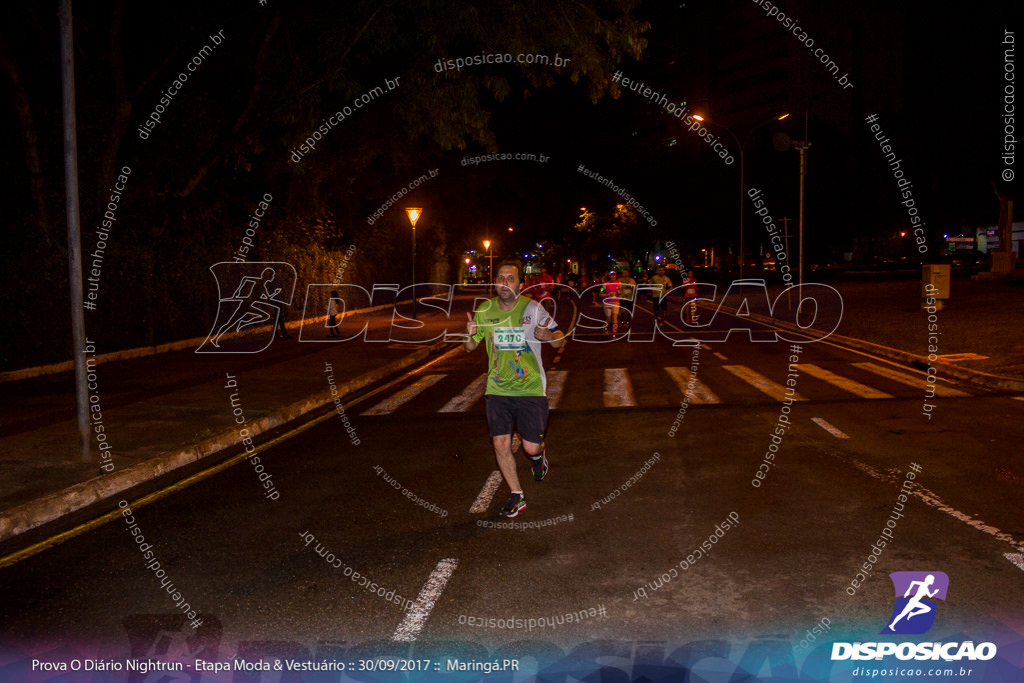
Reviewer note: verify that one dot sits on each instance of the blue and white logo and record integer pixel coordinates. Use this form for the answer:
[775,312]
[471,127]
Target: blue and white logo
[916,595]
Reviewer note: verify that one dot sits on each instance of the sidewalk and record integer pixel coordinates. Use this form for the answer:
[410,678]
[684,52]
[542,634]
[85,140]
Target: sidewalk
[164,411]
[161,412]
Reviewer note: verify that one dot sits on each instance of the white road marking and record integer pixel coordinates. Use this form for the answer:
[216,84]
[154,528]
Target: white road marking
[618,392]
[483,501]
[1017,559]
[390,404]
[762,383]
[834,431]
[931,499]
[862,390]
[468,397]
[919,381]
[699,393]
[556,384]
[416,618]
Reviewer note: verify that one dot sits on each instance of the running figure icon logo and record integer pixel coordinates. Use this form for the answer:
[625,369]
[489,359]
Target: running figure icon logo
[251,295]
[915,607]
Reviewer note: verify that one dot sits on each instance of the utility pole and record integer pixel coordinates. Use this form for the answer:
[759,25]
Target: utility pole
[67,71]
[803,146]
[785,235]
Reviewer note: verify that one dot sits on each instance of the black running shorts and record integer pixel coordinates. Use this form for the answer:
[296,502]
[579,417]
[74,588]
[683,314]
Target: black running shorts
[528,414]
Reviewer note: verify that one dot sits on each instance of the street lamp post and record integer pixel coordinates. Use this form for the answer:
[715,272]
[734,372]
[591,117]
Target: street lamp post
[742,146]
[414,214]
[490,260]
[803,146]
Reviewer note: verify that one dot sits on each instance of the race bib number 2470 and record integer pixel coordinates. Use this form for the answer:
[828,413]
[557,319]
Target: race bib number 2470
[509,338]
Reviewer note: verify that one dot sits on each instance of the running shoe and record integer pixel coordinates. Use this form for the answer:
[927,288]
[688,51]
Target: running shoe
[540,466]
[515,504]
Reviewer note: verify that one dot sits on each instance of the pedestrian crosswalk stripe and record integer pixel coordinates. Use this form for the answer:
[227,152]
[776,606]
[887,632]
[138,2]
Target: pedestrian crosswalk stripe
[468,397]
[830,428]
[416,618]
[390,404]
[694,389]
[845,383]
[618,392]
[763,384]
[483,500]
[910,380]
[556,385]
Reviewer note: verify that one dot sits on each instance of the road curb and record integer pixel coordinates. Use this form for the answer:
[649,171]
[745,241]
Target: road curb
[985,379]
[181,344]
[28,516]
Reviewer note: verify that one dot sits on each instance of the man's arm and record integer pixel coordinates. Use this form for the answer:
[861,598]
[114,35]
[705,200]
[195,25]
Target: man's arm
[555,337]
[558,339]
[471,343]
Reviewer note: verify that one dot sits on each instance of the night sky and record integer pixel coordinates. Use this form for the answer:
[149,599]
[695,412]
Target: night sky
[935,80]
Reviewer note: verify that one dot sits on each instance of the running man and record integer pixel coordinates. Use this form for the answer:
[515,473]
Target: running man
[514,328]
[689,286]
[662,285]
[914,606]
[543,284]
[610,301]
[627,294]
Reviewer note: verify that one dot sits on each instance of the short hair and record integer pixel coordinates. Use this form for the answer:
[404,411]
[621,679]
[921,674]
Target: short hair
[511,264]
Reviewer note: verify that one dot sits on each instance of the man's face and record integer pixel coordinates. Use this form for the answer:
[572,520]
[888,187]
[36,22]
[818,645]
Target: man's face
[661,271]
[508,283]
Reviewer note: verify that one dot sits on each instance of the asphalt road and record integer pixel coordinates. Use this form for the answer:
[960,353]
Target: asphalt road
[275,577]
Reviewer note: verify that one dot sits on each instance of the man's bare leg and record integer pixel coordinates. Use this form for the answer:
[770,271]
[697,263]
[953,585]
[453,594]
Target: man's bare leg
[506,461]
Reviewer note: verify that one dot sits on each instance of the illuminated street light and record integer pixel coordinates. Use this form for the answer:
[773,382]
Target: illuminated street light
[490,259]
[414,214]
[742,146]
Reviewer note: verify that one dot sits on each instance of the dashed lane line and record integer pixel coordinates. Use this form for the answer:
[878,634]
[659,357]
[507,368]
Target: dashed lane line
[416,618]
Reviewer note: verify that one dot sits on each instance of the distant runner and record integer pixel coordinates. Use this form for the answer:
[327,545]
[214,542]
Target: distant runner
[610,301]
[514,328]
[689,286]
[662,285]
[542,285]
